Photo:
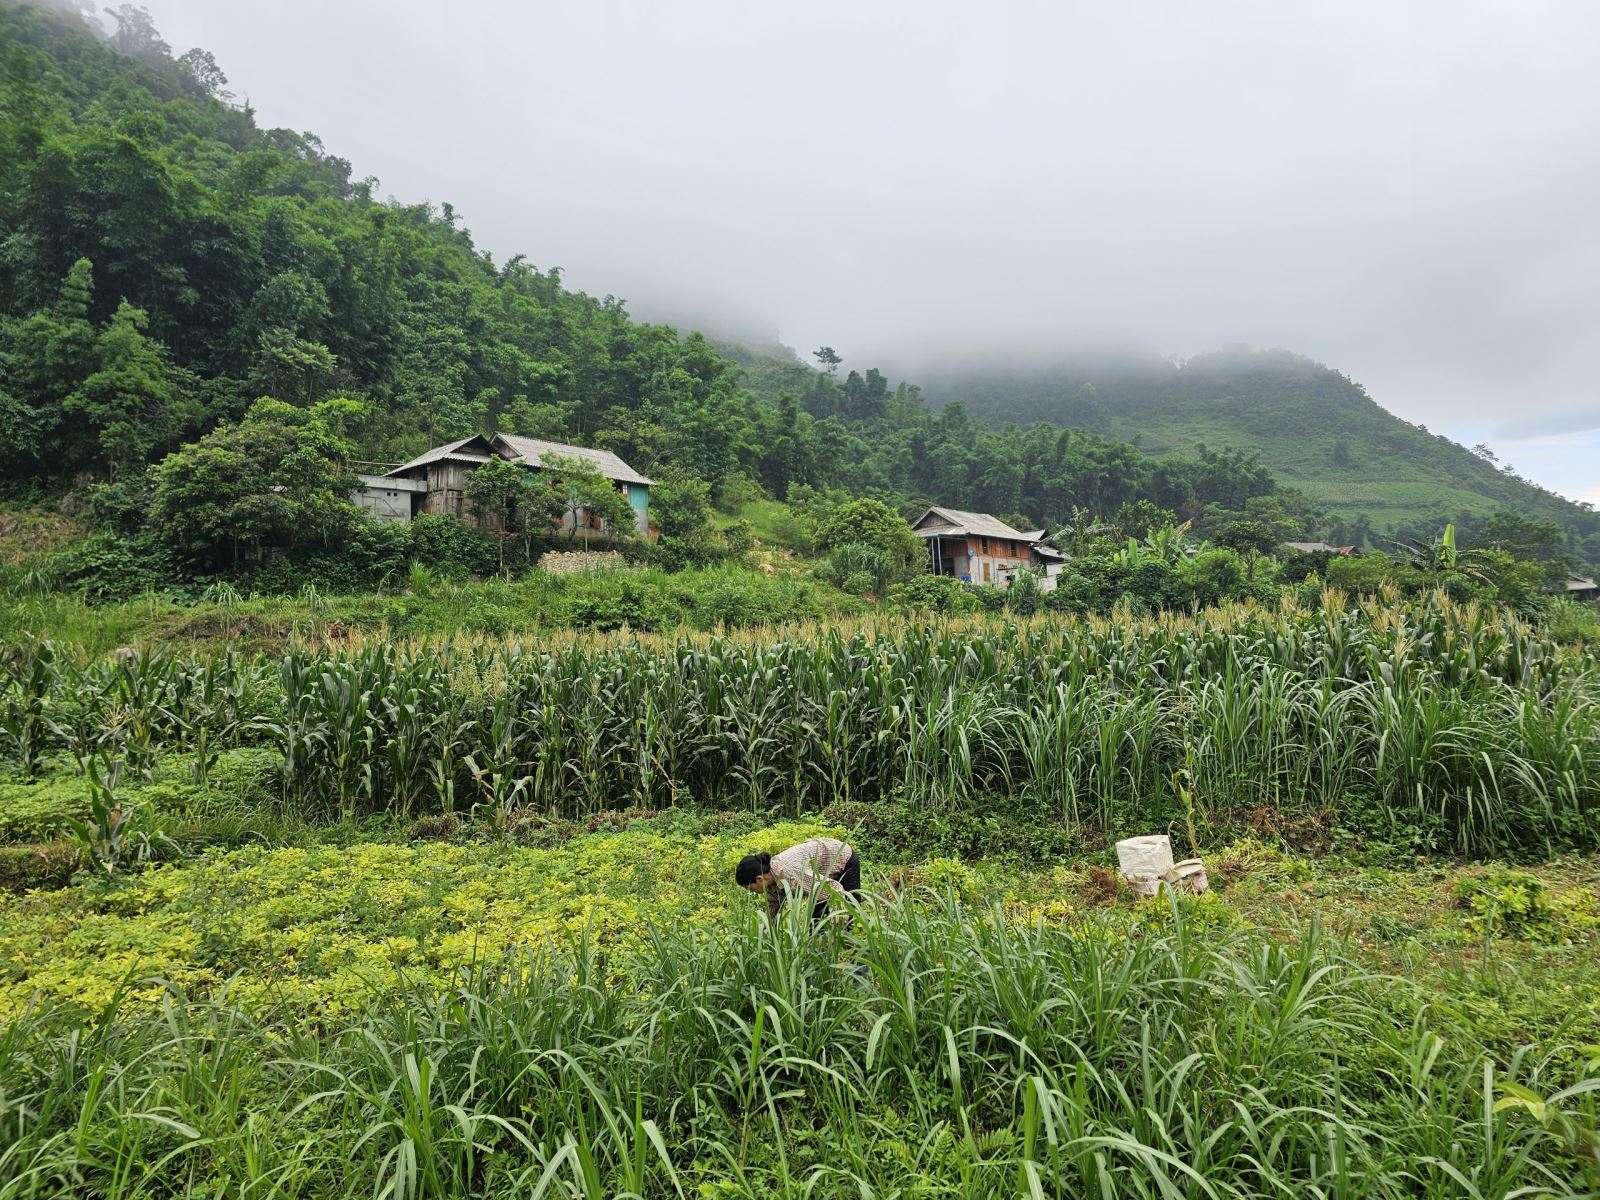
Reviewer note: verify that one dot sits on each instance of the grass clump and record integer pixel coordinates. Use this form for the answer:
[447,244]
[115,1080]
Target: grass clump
[929,1049]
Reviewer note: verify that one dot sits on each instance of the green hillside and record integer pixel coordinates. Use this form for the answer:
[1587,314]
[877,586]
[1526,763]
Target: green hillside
[182,288]
[1314,428]
[169,265]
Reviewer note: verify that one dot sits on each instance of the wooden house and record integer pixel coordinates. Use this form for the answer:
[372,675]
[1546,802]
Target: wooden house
[978,548]
[435,481]
[1321,548]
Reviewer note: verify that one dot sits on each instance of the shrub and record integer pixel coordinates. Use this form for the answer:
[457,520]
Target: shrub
[1025,596]
[739,537]
[934,593]
[106,569]
[450,548]
[871,523]
[858,568]
[1516,904]
[45,865]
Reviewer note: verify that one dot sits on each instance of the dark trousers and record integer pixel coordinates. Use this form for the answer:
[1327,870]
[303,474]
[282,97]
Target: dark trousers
[848,877]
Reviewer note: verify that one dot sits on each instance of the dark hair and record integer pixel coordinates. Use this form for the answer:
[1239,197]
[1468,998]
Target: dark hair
[751,867]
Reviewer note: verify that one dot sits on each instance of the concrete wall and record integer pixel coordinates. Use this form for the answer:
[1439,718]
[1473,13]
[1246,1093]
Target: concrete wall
[386,499]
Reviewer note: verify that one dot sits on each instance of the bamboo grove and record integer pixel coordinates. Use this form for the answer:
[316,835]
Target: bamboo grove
[1456,727]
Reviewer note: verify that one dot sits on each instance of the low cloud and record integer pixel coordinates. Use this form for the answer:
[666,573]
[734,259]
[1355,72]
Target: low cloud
[1410,193]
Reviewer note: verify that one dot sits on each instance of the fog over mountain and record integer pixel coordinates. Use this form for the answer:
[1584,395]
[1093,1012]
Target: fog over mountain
[1410,193]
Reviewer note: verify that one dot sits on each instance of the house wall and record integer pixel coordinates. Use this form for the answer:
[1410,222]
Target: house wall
[977,559]
[988,557]
[638,495]
[385,498]
[387,504]
[446,494]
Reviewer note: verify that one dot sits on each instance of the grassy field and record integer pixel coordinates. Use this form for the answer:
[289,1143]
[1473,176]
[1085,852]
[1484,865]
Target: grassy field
[425,606]
[605,1016]
[455,918]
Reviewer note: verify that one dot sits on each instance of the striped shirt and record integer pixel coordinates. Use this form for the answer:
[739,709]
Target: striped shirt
[805,868]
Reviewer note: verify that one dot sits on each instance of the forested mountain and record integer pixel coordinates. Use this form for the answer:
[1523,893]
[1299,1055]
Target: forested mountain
[167,262]
[1312,426]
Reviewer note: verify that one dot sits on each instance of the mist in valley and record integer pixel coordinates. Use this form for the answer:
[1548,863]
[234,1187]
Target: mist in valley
[1410,194]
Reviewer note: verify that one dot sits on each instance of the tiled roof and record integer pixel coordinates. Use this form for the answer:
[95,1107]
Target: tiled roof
[449,450]
[954,521]
[533,450]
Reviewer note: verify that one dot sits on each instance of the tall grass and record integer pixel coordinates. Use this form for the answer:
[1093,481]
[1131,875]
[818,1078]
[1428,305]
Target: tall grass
[949,1054]
[1446,726]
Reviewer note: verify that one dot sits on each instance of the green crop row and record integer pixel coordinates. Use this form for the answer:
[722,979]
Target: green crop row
[1435,725]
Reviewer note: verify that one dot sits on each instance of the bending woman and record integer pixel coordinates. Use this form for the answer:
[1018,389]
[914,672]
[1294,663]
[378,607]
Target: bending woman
[809,869]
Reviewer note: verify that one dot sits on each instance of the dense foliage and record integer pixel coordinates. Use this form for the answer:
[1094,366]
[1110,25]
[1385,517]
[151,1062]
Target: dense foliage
[1371,473]
[1433,726]
[608,1019]
[168,264]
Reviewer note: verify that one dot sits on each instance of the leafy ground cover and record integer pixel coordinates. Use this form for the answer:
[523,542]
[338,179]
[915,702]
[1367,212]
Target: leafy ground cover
[604,1016]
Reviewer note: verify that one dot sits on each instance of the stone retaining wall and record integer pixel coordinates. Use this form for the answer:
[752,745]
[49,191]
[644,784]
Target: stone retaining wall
[570,562]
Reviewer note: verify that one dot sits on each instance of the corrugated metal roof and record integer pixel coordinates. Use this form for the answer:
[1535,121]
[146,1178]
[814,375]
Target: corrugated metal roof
[1579,584]
[954,520]
[394,484]
[449,450]
[533,450]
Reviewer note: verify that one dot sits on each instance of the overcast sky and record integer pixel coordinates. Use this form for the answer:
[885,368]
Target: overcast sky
[1407,191]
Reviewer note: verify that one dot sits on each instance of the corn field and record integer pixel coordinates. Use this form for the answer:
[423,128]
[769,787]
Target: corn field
[1459,725]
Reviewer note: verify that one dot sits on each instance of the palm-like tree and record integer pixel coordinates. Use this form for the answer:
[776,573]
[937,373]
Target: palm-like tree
[1167,543]
[1079,529]
[1441,556]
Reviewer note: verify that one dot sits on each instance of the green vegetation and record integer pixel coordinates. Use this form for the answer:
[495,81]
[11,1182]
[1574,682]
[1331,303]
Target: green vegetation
[605,1016]
[456,920]
[1429,727]
[1312,427]
[426,605]
[206,327]
[342,858]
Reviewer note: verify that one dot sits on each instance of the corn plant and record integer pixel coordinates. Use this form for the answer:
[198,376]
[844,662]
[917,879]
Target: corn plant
[1452,727]
[112,838]
[30,680]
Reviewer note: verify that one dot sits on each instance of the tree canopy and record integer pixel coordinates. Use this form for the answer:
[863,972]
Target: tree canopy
[170,263]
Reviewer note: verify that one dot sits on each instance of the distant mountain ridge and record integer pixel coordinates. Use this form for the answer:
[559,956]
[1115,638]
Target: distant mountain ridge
[1314,427]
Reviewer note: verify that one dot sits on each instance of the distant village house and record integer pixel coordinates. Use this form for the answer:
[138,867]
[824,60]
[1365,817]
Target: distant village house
[435,481]
[982,549]
[1322,548]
